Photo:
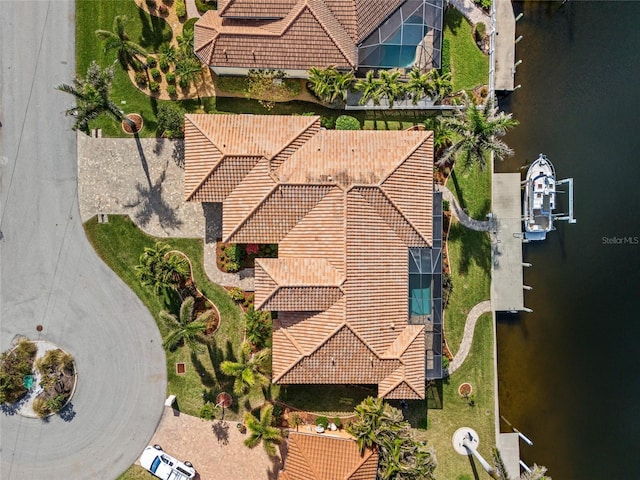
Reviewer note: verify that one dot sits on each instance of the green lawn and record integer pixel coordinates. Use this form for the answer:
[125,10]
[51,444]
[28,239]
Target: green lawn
[329,400]
[469,252]
[456,411]
[119,243]
[136,472]
[469,66]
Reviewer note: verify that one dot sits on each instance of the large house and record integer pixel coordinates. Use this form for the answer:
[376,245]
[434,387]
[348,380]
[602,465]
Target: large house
[295,35]
[356,285]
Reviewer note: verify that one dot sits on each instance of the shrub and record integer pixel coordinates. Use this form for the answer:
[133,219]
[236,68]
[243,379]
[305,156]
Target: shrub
[481,31]
[233,253]
[171,119]
[163,10]
[155,73]
[163,64]
[445,362]
[233,267]
[237,295]
[337,422]
[259,327]
[171,90]
[171,77]
[151,61]
[277,414]
[181,9]
[141,78]
[183,82]
[446,206]
[447,288]
[208,411]
[150,3]
[204,5]
[14,367]
[322,421]
[154,86]
[328,122]
[346,122]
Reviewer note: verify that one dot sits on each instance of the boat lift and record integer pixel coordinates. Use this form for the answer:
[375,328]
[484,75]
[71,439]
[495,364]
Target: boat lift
[562,216]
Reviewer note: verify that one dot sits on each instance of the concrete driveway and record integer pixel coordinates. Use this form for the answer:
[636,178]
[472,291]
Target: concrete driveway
[50,275]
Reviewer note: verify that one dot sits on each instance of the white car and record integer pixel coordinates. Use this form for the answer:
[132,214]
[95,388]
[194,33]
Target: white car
[164,466]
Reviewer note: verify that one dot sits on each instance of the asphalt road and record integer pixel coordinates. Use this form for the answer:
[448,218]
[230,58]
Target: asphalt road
[49,274]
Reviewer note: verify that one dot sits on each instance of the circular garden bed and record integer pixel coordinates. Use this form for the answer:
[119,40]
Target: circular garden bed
[465,389]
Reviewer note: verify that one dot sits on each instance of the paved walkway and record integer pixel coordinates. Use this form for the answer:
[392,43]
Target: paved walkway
[192,10]
[467,338]
[215,448]
[461,215]
[471,11]
[144,178]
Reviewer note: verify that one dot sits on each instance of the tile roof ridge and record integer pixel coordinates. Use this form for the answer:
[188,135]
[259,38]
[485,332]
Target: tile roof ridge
[216,165]
[211,41]
[406,339]
[364,457]
[314,119]
[252,211]
[293,341]
[310,464]
[320,5]
[402,214]
[273,292]
[332,334]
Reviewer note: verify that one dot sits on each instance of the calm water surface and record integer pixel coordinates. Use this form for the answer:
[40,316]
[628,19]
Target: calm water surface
[570,371]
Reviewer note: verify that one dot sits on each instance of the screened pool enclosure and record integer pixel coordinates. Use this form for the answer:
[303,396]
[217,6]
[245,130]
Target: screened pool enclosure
[411,36]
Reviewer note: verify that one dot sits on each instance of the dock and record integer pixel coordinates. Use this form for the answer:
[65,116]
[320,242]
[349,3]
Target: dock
[509,446]
[505,46]
[506,250]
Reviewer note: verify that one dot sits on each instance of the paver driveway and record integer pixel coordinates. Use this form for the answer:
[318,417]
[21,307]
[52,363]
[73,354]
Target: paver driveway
[50,275]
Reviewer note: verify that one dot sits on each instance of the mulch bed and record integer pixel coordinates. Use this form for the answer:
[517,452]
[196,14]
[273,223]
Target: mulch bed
[465,389]
[131,129]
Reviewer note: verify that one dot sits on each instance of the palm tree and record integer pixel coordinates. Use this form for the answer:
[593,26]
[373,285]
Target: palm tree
[440,85]
[261,430]
[419,85]
[319,82]
[341,82]
[477,128]
[188,69]
[127,50]
[536,473]
[390,85]
[167,53]
[184,328]
[370,88]
[161,270]
[249,369]
[369,415]
[92,96]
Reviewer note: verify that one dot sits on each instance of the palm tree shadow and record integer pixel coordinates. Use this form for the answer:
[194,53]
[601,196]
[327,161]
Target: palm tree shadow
[459,193]
[206,378]
[154,30]
[149,201]
[221,431]
[277,462]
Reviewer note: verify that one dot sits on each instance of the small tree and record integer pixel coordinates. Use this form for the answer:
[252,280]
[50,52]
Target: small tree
[248,370]
[369,86]
[346,122]
[161,270]
[171,120]
[118,39]
[184,328]
[261,430]
[92,96]
[295,420]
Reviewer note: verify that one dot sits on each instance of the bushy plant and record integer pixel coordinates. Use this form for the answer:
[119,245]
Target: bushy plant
[481,31]
[163,64]
[208,411]
[150,3]
[171,90]
[445,362]
[446,57]
[237,295]
[181,9]
[141,78]
[233,252]
[171,77]
[171,119]
[151,61]
[183,82]
[233,267]
[322,421]
[259,326]
[337,422]
[14,366]
[154,87]
[328,122]
[155,73]
[347,122]
[163,10]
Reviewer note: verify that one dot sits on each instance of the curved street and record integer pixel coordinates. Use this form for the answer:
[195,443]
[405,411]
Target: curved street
[50,275]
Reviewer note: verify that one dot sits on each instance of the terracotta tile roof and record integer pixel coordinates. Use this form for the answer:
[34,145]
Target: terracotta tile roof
[309,35]
[252,8]
[298,35]
[323,457]
[343,207]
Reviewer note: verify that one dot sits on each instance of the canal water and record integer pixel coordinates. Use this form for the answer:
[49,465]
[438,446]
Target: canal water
[570,371]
